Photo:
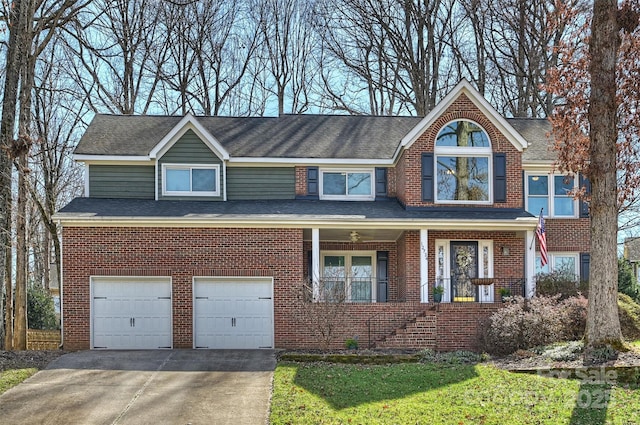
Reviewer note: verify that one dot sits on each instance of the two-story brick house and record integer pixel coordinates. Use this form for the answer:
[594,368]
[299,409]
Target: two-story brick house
[203,231]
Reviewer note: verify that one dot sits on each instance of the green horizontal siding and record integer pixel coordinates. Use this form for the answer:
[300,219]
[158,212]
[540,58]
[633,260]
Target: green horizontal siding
[190,150]
[122,181]
[245,183]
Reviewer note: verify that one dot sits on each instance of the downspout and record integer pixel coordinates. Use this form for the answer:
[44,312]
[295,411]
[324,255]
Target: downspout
[224,177]
[60,279]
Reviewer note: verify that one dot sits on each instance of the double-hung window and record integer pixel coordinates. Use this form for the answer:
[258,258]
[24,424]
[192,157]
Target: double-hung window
[346,184]
[463,164]
[191,180]
[551,193]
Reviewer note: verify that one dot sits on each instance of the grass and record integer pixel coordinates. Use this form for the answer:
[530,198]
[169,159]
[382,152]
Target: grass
[437,393]
[12,377]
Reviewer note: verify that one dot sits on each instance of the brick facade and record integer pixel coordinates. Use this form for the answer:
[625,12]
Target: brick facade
[180,253]
[409,188]
[183,253]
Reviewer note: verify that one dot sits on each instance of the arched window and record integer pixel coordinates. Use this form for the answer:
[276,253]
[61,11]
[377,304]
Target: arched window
[463,163]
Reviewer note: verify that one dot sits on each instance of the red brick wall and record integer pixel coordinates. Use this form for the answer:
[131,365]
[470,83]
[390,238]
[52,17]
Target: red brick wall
[183,253]
[568,234]
[409,184]
[301,180]
[180,253]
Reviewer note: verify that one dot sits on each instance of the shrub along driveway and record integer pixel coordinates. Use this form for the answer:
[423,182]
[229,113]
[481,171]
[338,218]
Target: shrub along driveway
[140,387]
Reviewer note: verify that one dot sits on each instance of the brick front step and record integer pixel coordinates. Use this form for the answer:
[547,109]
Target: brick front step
[443,327]
[419,333]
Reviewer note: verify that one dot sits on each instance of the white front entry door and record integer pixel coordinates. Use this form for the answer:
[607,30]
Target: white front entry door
[233,313]
[131,313]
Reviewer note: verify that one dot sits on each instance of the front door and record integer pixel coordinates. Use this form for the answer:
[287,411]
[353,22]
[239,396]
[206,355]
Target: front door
[464,267]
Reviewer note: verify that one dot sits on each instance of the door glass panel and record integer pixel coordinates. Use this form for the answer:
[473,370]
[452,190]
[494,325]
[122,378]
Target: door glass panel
[361,273]
[464,267]
[333,273]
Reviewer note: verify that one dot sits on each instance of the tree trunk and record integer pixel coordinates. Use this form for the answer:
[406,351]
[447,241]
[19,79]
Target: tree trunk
[7,131]
[20,323]
[603,325]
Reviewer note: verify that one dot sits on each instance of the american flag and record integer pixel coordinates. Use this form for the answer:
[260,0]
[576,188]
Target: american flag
[542,240]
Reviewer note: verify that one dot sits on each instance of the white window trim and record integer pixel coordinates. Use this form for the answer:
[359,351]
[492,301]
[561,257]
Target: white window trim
[468,152]
[190,167]
[552,255]
[550,194]
[370,197]
[347,265]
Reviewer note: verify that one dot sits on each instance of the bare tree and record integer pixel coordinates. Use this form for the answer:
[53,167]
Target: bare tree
[33,28]
[111,50]
[213,45]
[289,46]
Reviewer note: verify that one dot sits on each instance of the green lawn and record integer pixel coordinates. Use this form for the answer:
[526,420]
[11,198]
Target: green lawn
[11,378]
[317,393]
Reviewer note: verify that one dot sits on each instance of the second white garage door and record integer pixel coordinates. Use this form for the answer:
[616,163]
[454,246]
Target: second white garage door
[233,313]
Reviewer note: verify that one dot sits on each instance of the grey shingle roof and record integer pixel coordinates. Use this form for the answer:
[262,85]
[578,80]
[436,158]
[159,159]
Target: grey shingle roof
[102,208]
[537,132]
[287,136]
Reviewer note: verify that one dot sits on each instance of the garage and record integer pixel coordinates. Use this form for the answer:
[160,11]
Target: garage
[130,313]
[233,313]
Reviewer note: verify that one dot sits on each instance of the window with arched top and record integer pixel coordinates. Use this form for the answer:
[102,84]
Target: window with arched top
[463,163]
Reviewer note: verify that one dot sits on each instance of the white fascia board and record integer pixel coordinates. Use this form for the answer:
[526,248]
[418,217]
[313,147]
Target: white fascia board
[294,221]
[189,122]
[464,87]
[237,161]
[112,159]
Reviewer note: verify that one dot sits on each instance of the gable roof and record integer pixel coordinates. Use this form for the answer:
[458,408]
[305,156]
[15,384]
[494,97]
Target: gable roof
[349,138]
[465,88]
[287,136]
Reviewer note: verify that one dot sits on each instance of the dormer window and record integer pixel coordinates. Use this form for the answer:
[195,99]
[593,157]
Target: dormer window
[190,180]
[463,164]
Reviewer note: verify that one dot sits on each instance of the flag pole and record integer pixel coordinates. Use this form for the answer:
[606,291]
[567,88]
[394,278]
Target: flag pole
[533,240]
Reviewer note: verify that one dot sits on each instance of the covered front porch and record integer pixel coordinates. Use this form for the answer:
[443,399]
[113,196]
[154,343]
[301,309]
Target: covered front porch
[439,265]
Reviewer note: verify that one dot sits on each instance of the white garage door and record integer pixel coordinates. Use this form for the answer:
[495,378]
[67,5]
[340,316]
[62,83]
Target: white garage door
[131,313]
[233,313]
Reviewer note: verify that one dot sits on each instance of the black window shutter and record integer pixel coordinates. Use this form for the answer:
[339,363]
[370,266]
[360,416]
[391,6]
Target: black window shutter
[312,181]
[427,177]
[584,206]
[585,258]
[499,177]
[382,278]
[381,182]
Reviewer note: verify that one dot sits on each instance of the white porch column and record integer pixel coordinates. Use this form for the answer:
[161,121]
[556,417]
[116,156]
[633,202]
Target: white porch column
[315,263]
[530,264]
[424,265]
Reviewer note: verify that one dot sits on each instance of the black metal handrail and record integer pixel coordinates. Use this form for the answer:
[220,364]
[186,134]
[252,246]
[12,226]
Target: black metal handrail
[357,289]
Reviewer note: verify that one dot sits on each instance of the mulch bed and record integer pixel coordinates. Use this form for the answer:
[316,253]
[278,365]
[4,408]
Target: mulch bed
[27,359]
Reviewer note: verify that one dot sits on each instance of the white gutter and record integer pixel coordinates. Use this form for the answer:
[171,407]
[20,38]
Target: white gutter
[297,221]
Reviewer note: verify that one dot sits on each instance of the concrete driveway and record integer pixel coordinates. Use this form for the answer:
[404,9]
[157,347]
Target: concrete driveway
[146,387]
